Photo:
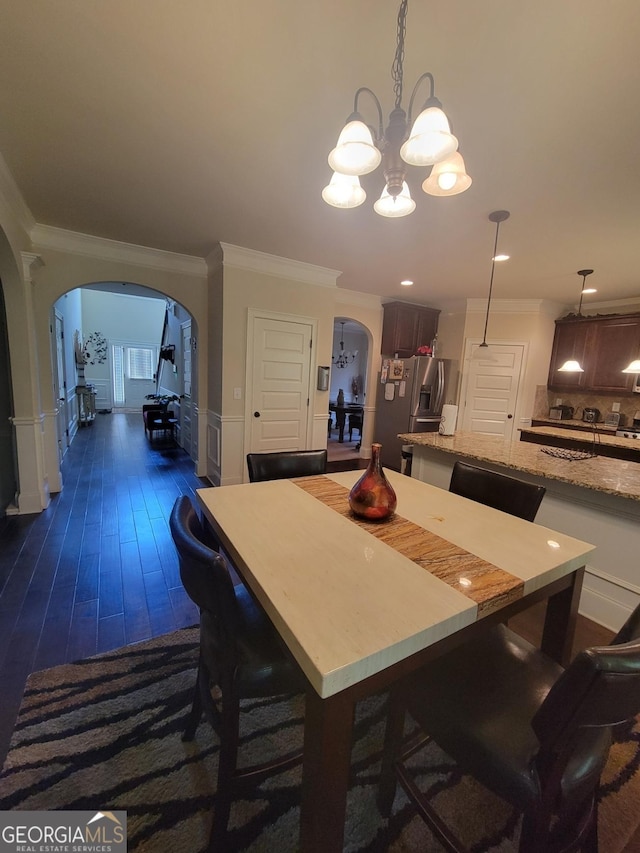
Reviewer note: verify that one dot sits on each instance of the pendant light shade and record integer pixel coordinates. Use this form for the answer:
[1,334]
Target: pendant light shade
[572,365]
[448,177]
[483,352]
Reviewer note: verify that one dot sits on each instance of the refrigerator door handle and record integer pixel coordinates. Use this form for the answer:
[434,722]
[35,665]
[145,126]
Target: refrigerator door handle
[440,394]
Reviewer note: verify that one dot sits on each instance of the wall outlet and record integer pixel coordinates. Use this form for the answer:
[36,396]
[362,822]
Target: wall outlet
[615,407]
[237,393]
[558,401]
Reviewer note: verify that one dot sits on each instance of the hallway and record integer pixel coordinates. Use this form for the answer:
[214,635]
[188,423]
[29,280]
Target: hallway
[97,569]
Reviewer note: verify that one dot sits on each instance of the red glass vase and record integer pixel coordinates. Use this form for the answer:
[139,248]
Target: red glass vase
[373,497]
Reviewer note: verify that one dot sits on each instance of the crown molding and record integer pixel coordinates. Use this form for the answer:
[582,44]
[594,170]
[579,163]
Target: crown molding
[357,297]
[30,263]
[10,191]
[261,262]
[76,243]
[612,304]
[515,306]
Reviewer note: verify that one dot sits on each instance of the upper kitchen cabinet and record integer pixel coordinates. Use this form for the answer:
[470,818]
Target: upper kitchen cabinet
[604,346]
[406,327]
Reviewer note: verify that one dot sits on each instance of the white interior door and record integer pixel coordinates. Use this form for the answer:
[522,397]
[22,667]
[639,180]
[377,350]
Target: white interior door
[278,385]
[60,389]
[490,390]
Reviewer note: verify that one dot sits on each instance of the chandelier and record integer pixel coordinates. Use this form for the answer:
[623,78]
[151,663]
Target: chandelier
[430,143]
[343,358]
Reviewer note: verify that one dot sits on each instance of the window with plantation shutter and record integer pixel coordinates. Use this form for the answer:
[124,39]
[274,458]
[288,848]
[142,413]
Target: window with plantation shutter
[140,362]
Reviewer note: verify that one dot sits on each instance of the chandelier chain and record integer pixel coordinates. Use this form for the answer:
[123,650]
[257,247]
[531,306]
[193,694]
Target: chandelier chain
[398,60]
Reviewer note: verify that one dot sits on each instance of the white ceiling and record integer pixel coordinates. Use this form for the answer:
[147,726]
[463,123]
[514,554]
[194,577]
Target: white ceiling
[180,123]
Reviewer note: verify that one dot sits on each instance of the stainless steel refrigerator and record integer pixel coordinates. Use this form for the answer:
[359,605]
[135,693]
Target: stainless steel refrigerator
[411,393]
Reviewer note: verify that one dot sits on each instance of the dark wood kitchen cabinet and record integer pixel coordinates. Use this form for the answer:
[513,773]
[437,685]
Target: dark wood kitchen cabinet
[405,327]
[604,346]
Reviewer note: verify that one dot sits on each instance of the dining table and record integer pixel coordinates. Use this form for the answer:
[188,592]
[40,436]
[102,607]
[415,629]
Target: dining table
[361,605]
[341,411]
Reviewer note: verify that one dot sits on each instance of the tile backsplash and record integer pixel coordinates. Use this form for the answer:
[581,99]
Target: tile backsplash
[544,399]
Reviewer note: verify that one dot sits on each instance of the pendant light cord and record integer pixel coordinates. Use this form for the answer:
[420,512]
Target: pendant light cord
[493,266]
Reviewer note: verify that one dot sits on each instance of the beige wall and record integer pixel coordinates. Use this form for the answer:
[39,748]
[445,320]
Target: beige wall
[519,321]
[235,291]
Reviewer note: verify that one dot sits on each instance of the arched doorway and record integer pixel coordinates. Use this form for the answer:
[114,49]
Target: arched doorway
[145,342]
[348,383]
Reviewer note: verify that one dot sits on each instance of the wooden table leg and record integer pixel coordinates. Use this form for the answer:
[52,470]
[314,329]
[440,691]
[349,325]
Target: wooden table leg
[560,621]
[328,730]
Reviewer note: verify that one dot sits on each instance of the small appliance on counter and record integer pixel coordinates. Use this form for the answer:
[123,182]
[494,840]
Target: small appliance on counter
[590,416]
[612,419]
[560,413]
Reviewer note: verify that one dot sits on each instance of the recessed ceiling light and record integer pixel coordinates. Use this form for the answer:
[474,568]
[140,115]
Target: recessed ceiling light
[501,258]
[406,282]
[590,290]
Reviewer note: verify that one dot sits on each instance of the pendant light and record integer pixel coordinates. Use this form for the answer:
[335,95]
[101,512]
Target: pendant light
[483,352]
[572,365]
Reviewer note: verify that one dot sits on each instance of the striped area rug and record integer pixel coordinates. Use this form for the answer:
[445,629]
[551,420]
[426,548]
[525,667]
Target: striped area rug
[104,734]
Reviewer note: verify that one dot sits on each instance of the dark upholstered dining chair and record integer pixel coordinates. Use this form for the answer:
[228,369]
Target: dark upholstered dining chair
[535,734]
[240,655]
[496,490]
[284,464]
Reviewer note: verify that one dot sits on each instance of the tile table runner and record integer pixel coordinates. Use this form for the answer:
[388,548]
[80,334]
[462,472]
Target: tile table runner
[490,587]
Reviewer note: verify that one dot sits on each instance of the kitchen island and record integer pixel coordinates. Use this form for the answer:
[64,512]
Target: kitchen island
[595,499]
[605,443]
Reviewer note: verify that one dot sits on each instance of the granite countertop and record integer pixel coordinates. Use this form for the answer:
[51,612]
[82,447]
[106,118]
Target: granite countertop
[601,473]
[584,435]
[570,424]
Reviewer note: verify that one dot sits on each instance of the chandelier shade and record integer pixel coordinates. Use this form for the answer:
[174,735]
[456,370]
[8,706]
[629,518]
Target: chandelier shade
[344,191]
[355,153]
[449,177]
[395,206]
[572,365]
[431,139]
[360,150]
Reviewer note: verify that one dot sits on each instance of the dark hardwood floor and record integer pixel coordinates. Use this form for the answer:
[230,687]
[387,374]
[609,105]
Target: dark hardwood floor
[98,569]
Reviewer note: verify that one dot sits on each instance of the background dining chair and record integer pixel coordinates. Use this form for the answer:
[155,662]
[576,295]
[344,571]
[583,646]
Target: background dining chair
[355,422]
[496,490]
[283,464]
[536,735]
[240,655]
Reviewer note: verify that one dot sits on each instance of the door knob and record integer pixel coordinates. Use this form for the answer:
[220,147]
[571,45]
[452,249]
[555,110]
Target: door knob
[509,416]
[256,414]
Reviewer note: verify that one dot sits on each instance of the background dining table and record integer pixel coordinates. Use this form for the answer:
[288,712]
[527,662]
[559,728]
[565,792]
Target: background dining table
[360,604]
[341,412]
